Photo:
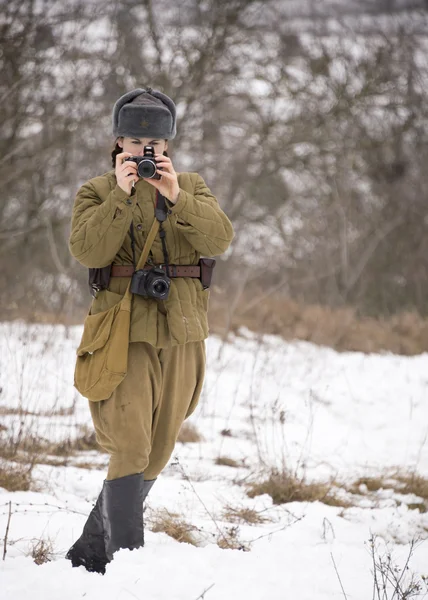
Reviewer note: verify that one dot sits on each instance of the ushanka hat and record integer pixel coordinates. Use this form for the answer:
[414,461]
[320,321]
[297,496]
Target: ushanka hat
[144,113]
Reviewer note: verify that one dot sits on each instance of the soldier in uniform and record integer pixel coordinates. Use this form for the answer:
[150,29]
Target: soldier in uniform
[139,423]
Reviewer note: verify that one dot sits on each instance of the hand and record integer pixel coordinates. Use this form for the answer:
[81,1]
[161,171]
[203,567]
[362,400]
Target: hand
[168,183]
[126,172]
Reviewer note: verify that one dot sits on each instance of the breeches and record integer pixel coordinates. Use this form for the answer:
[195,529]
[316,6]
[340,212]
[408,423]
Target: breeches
[140,422]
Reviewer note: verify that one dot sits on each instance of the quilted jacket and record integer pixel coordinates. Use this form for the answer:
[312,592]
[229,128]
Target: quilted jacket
[196,226]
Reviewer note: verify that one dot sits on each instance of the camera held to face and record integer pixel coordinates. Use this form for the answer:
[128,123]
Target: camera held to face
[151,283]
[146,164]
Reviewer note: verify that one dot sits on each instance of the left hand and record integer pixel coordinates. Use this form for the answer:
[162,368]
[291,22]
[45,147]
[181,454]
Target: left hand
[168,183]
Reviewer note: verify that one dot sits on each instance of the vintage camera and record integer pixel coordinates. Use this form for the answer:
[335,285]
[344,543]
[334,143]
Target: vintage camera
[146,164]
[151,283]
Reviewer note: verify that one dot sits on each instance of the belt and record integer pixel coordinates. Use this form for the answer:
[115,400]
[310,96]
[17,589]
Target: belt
[173,270]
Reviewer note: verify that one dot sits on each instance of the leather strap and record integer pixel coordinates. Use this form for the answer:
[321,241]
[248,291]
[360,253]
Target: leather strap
[149,241]
[145,253]
[173,270]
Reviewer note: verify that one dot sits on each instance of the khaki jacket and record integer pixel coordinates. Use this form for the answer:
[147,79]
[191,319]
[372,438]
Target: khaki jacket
[195,226]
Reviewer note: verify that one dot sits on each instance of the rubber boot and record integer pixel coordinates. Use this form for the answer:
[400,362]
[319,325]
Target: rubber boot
[122,512]
[89,550]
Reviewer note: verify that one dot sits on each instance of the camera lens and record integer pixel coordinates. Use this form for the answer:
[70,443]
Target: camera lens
[160,286]
[146,168]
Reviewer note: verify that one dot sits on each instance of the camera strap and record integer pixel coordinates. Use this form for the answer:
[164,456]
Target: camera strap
[134,262]
[161,211]
[145,253]
[161,215]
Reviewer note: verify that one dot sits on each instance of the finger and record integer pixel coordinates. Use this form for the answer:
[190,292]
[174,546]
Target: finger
[166,174]
[165,169]
[166,165]
[128,163]
[132,174]
[128,169]
[161,159]
[120,157]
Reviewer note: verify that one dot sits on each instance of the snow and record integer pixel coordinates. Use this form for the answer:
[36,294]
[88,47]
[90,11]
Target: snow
[322,414]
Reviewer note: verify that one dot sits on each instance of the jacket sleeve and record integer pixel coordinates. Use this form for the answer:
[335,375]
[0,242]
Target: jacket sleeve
[201,220]
[98,228]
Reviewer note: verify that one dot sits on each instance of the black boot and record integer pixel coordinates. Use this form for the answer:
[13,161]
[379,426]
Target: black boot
[89,550]
[122,510]
[116,521]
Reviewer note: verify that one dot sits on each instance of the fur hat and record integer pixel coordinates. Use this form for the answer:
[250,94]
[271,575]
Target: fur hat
[144,113]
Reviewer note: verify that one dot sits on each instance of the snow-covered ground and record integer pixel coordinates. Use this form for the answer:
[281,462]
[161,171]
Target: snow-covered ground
[321,414]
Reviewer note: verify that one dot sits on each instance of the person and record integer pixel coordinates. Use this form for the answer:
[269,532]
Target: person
[139,423]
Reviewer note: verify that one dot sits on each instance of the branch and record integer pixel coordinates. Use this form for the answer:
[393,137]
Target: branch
[7,530]
[53,247]
[204,592]
[338,576]
[379,236]
[155,36]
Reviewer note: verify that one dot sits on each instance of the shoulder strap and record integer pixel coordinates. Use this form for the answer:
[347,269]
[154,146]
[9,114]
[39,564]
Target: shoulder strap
[149,241]
[145,253]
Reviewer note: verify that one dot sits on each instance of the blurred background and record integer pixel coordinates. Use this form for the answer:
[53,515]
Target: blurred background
[308,120]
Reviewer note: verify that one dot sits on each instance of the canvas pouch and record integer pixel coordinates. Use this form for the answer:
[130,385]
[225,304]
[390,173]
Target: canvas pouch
[102,356]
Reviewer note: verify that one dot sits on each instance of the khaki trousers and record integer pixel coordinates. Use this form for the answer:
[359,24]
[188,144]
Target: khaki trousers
[139,424]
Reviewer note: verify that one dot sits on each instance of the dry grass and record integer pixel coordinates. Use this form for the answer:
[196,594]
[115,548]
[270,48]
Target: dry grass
[15,477]
[172,525]
[84,442]
[226,462]
[340,328]
[371,484]
[26,447]
[243,515]
[399,482]
[284,487]
[229,540]
[420,506]
[412,483]
[189,434]
[42,551]
[87,465]
[23,412]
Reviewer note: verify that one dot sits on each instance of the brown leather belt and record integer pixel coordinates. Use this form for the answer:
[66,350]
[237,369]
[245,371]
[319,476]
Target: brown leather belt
[174,270]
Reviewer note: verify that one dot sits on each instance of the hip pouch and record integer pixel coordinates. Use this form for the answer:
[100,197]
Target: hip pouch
[207,267]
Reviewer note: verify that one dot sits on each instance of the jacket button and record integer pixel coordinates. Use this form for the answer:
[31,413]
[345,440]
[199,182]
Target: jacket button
[169,211]
[128,201]
[139,227]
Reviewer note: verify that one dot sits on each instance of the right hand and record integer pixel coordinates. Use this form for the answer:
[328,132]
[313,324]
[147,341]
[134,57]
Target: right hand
[126,172]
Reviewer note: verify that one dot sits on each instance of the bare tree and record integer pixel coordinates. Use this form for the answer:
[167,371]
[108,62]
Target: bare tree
[311,132]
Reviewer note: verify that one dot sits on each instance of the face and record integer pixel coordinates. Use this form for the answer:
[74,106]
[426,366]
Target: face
[136,145]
